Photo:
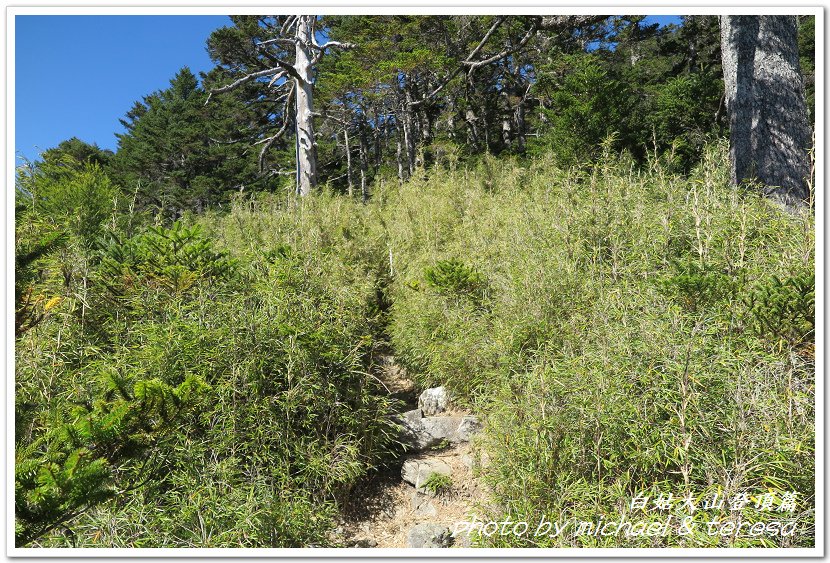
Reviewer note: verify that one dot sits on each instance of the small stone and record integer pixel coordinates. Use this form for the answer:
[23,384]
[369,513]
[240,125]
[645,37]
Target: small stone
[430,536]
[432,401]
[422,506]
[470,425]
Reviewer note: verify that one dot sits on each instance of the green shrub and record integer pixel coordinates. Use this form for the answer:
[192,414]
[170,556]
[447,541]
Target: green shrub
[83,463]
[454,278]
[613,355]
[438,483]
[638,335]
[171,259]
[283,333]
[696,287]
[35,241]
[77,196]
[585,105]
[784,310]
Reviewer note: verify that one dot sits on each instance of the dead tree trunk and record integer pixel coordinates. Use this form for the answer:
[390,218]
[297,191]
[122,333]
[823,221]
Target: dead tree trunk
[306,148]
[348,159]
[769,132]
[399,159]
[299,75]
[364,163]
[408,131]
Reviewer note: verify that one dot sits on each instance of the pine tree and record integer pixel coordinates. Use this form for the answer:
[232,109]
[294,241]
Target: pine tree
[179,154]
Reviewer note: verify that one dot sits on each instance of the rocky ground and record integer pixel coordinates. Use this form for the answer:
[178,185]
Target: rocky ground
[420,504]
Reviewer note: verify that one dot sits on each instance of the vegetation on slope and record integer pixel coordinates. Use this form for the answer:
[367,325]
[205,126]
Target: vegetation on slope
[627,332]
[623,330]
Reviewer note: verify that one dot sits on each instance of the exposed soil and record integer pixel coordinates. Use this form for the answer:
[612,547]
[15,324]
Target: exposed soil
[384,508]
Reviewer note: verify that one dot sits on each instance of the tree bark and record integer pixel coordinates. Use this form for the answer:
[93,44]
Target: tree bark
[408,131]
[348,159]
[364,163]
[306,149]
[399,159]
[770,134]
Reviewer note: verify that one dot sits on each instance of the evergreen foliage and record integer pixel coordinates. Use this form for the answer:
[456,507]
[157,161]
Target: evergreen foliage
[179,154]
[784,310]
[454,277]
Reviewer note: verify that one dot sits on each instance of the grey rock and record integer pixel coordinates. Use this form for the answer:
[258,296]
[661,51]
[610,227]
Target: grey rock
[427,432]
[416,472]
[433,401]
[441,428]
[422,506]
[413,434]
[430,536]
[411,417]
[423,432]
[470,425]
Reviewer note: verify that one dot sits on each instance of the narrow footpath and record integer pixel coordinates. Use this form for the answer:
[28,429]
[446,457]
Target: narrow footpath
[421,503]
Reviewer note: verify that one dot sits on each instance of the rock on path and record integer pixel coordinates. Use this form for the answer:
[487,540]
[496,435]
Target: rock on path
[430,535]
[412,516]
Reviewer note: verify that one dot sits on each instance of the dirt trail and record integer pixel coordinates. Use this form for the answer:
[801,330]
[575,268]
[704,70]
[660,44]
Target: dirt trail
[385,508]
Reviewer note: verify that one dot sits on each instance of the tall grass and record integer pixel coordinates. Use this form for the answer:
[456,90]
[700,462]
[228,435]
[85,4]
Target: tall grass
[617,348]
[621,330]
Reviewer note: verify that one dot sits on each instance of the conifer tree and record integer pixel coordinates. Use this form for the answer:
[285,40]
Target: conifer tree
[178,154]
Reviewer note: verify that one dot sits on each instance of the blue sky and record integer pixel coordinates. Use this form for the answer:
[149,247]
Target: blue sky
[76,76]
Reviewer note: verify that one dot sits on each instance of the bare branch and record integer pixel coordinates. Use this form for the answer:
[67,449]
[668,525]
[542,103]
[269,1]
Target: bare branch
[270,140]
[289,21]
[290,70]
[493,28]
[321,49]
[276,77]
[283,40]
[329,44]
[243,80]
[534,27]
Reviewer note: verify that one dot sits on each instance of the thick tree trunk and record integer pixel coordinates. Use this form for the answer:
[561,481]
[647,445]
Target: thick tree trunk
[769,132]
[306,149]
